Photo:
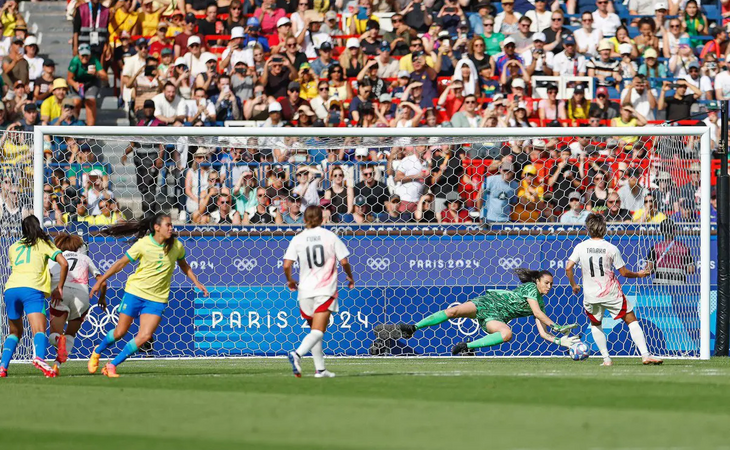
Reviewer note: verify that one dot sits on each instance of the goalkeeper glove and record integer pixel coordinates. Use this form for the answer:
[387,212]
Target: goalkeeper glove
[567,341]
[563,329]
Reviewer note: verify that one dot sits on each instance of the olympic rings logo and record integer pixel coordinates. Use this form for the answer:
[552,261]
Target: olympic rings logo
[97,323]
[466,326]
[245,264]
[105,264]
[510,263]
[378,263]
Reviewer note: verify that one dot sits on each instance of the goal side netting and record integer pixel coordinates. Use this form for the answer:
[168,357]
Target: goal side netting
[408,263]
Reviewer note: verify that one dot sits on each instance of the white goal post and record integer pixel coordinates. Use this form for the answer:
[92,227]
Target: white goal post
[388,266]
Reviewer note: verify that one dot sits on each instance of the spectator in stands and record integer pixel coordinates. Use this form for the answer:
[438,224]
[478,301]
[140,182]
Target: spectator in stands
[467,117]
[640,97]
[680,62]
[51,107]
[401,36]
[364,91]
[208,79]
[296,57]
[196,59]
[278,73]
[370,71]
[15,67]
[394,211]
[614,211]
[691,190]
[96,190]
[298,17]
[260,214]
[665,195]
[569,62]
[181,40]
[648,213]
[80,213]
[199,107]
[679,105]
[694,22]
[455,211]
[35,63]
[587,37]
[417,16]
[352,60]
[576,215]
[91,27]
[409,174]
[506,22]
[373,192]
[718,45]
[604,19]
[632,193]
[670,40]
[702,82]
[523,35]
[222,213]
[647,37]
[42,85]
[122,23]
[197,182]
[408,115]
[551,108]
[169,107]
[504,61]
[651,68]
[369,41]
[235,17]
[321,103]
[313,38]
[578,105]
[193,7]
[530,194]
[293,214]
[146,84]
[160,41]
[244,190]
[564,179]
[293,100]
[387,67]
[324,63]
[210,25]
[555,34]
[340,193]
[628,117]
[452,98]
[30,118]
[497,195]
[308,182]
[268,15]
[424,213]
[52,214]
[257,107]
[603,66]
[602,108]
[331,26]
[68,115]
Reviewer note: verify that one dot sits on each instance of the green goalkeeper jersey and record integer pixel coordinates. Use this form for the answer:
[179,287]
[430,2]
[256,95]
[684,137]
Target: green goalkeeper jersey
[507,305]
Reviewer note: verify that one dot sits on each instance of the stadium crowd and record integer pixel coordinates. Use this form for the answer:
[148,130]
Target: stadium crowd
[380,63]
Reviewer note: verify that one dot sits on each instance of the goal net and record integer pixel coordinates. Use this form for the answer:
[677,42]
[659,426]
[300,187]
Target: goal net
[432,217]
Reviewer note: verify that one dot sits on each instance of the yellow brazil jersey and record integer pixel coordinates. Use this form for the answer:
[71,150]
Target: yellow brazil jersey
[152,279]
[29,265]
[51,108]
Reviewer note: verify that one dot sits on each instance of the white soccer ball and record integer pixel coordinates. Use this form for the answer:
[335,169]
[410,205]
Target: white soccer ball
[579,351]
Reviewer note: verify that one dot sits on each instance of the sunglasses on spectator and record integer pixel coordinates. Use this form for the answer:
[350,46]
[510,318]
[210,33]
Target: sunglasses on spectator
[367,174]
[612,202]
[574,200]
[224,202]
[646,202]
[324,88]
[557,19]
[587,20]
[488,24]
[194,45]
[337,175]
[470,102]
[397,20]
[260,195]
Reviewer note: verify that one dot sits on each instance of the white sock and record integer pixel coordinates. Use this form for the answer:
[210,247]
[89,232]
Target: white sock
[637,335]
[318,356]
[309,342]
[53,339]
[70,343]
[599,336]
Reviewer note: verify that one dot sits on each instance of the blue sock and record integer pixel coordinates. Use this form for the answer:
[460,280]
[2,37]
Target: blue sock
[8,350]
[106,342]
[128,350]
[40,342]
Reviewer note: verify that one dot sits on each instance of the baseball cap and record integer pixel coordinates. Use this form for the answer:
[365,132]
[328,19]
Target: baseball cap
[443,34]
[283,21]
[464,24]
[507,41]
[166,51]
[660,5]
[693,64]
[602,90]
[385,98]
[650,53]
[194,40]
[305,109]
[69,102]
[293,86]
[539,36]
[84,49]
[579,88]
[713,106]
[625,49]
[330,15]
[404,74]
[360,200]
[274,107]
[684,41]
[30,107]
[326,46]
[605,44]
[529,169]
[149,104]
[569,40]
[190,18]
[162,26]
[361,151]
[418,54]
[507,166]
[30,40]
[574,196]
[49,63]
[305,65]
[140,42]
[353,43]
[237,32]
[253,22]
[518,83]
[384,46]
[180,61]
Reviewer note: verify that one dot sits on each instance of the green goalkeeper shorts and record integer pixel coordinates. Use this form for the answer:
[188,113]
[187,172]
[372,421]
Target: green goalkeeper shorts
[488,308]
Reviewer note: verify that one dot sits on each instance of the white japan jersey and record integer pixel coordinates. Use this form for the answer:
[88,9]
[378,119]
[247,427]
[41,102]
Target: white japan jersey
[598,259]
[317,251]
[79,268]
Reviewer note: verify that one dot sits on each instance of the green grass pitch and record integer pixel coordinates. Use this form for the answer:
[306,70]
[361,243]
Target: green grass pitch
[458,403]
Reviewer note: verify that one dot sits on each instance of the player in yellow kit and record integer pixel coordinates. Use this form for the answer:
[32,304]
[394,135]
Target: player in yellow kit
[26,290]
[146,295]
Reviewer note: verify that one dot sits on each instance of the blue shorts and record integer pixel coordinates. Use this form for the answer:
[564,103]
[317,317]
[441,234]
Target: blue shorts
[133,306]
[25,299]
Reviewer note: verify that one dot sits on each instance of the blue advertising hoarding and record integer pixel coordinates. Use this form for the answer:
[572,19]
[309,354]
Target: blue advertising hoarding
[399,279]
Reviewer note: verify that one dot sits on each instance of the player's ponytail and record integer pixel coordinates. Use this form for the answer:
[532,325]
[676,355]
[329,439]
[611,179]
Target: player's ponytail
[527,275]
[140,228]
[32,231]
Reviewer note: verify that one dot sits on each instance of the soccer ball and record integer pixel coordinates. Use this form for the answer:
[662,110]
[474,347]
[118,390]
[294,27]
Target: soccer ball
[579,351]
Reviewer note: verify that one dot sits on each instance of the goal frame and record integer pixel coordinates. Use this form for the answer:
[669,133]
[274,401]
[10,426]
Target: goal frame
[40,132]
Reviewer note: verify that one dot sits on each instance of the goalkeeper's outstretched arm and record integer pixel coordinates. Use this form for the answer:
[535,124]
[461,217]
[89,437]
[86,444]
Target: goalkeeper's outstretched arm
[563,341]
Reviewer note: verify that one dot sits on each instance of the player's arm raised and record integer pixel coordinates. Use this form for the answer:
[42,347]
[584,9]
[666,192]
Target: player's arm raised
[188,271]
[571,276]
[348,270]
[115,268]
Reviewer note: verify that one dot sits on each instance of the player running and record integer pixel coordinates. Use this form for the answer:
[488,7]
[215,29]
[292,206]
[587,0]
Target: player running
[601,288]
[317,251]
[74,306]
[496,308]
[26,290]
[148,288]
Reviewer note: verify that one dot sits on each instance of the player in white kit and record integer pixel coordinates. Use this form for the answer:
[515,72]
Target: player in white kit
[75,303]
[602,289]
[317,250]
